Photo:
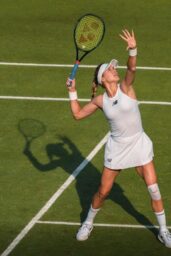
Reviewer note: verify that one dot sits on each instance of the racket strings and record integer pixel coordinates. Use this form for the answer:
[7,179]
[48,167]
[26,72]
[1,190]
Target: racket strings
[31,128]
[89,32]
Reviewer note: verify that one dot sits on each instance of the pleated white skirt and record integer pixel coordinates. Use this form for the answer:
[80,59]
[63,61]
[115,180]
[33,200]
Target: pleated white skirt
[123,153]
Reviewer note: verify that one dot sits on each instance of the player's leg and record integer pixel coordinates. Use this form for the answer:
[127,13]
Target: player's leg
[107,180]
[148,173]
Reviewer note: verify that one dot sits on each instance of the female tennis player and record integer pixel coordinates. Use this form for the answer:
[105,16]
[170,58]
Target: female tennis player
[128,145]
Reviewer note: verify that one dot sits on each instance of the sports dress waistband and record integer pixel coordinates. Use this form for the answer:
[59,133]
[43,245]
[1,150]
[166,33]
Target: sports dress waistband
[120,139]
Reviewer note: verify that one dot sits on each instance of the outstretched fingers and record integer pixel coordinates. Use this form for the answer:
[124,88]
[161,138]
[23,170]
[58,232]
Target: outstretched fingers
[124,38]
[128,37]
[126,33]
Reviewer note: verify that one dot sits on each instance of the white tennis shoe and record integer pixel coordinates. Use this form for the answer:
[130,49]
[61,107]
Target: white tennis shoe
[165,238]
[84,231]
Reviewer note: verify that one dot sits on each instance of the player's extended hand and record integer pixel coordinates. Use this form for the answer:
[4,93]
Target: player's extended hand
[129,38]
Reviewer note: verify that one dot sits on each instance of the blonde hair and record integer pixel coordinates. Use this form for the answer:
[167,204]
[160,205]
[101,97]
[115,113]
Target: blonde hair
[95,83]
[94,89]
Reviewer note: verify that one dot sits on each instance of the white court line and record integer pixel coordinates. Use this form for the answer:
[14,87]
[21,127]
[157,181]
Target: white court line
[55,196]
[98,224]
[3,97]
[155,102]
[71,65]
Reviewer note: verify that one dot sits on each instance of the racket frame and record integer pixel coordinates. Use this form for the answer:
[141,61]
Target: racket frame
[78,60]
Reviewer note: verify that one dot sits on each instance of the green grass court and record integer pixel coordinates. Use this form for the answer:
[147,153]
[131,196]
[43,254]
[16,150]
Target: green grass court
[41,32]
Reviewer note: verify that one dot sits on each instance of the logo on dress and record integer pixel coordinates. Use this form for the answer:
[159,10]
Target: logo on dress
[115,102]
[109,160]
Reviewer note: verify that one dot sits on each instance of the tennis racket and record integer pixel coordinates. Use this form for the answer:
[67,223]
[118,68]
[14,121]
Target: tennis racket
[88,34]
[31,129]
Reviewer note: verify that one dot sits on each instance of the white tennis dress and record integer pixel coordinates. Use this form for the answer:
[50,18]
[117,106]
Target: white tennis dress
[128,145]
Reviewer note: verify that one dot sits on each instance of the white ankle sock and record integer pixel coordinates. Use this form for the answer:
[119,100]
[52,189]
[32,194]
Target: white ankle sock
[161,218]
[91,215]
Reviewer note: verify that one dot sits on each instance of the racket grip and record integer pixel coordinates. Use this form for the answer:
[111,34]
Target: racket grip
[73,73]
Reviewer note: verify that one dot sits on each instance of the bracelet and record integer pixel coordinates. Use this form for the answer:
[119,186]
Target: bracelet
[133,52]
[73,95]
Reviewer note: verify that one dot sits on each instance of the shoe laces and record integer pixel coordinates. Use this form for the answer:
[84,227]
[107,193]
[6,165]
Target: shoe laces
[86,226]
[167,234]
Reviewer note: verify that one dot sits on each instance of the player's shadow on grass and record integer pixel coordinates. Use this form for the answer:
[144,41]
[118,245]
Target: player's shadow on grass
[66,155]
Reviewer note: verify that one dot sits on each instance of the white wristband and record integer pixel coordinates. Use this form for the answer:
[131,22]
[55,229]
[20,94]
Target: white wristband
[73,95]
[133,52]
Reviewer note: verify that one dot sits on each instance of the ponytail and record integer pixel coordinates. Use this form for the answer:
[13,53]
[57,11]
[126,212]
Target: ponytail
[94,89]
[95,82]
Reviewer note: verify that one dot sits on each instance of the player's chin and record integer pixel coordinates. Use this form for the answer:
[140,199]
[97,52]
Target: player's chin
[117,79]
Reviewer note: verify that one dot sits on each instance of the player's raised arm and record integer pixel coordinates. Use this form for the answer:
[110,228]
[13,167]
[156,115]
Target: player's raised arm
[78,111]
[129,38]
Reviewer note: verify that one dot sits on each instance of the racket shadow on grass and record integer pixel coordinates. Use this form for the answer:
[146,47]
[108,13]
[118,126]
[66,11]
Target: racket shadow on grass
[31,129]
[65,154]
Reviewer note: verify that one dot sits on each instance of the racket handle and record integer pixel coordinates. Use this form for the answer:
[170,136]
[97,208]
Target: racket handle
[73,73]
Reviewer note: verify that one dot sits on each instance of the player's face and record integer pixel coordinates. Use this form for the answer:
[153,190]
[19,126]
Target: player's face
[110,75]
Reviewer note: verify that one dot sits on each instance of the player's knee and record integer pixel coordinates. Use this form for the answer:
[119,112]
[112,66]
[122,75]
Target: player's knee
[154,191]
